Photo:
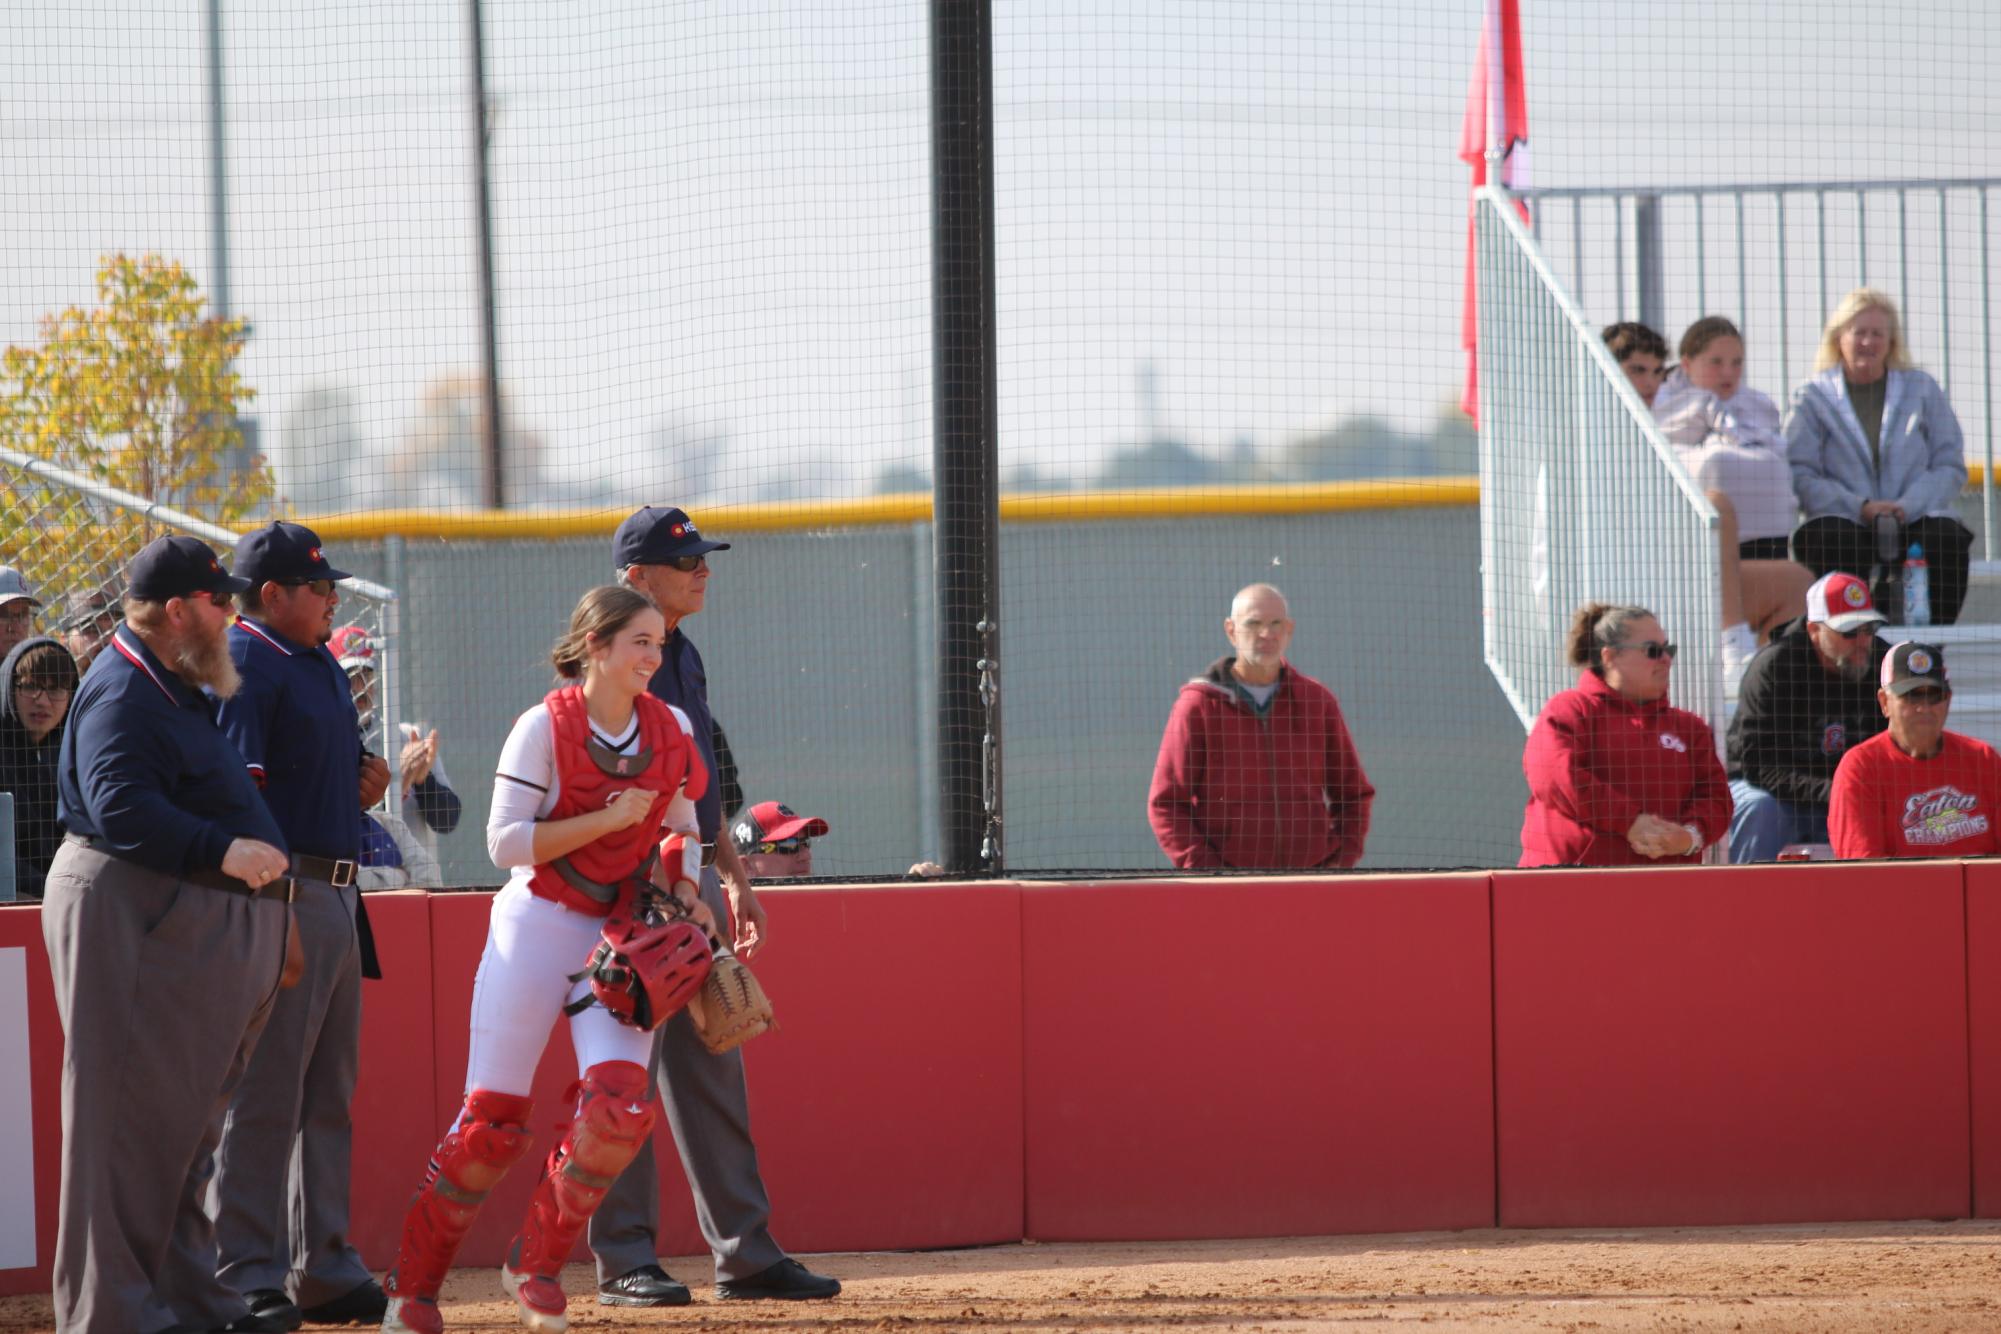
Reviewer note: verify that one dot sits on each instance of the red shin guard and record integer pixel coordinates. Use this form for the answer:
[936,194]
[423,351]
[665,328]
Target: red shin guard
[490,1137]
[614,1116]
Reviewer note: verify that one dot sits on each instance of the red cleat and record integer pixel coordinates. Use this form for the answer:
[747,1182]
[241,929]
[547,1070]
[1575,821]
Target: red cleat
[540,1300]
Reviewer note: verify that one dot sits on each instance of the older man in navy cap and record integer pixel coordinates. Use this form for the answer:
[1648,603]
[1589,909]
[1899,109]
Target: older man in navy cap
[166,916]
[660,552]
[282,1234]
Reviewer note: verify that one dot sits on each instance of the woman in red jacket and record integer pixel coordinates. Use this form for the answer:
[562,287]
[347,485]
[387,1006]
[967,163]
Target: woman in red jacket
[1617,775]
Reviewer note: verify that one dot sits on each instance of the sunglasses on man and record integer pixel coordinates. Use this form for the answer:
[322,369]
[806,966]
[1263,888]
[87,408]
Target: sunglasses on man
[785,849]
[687,564]
[320,588]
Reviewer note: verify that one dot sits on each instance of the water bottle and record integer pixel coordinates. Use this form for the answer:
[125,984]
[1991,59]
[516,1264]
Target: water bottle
[1917,587]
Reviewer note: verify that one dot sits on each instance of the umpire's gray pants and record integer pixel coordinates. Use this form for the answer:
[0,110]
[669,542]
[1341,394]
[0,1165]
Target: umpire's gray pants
[708,1109]
[161,987]
[282,1170]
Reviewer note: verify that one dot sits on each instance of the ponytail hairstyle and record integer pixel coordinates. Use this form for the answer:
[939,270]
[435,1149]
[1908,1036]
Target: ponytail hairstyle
[600,615]
[1600,625]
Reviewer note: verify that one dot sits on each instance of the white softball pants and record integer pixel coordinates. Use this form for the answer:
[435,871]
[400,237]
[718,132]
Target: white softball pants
[532,947]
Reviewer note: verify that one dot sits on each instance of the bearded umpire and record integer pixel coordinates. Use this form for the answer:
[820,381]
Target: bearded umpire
[660,552]
[282,1171]
[166,918]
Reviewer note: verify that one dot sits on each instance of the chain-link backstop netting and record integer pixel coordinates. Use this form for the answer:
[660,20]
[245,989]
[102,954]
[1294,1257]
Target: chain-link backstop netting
[1212,335]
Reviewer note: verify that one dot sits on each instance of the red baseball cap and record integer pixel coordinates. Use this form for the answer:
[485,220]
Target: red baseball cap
[771,822]
[352,648]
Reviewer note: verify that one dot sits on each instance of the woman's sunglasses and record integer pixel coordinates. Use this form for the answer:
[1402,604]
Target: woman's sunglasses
[1653,648]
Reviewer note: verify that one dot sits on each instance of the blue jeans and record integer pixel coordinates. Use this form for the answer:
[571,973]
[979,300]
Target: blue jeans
[1762,825]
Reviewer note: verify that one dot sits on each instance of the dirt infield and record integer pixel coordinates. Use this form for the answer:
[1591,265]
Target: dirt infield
[1877,1277]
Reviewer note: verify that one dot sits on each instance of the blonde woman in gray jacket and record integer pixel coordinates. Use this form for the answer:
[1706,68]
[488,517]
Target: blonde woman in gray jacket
[1871,435]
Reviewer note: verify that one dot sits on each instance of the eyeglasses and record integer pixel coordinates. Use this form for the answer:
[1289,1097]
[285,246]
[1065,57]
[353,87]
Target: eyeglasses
[46,694]
[687,564]
[321,588]
[1857,632]
[785,849]
[213,596]
[1926,695]
[1653,648]
[23,614]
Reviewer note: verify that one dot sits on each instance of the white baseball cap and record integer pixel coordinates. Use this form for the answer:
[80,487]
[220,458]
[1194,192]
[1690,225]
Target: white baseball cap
[13,588]
[1842,602]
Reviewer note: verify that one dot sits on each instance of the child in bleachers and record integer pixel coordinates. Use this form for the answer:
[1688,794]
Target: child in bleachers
[1727,435]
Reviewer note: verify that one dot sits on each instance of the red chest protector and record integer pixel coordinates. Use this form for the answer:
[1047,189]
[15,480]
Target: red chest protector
[592,775]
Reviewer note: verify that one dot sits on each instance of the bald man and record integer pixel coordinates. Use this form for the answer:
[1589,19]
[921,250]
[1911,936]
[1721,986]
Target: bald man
[1256,768]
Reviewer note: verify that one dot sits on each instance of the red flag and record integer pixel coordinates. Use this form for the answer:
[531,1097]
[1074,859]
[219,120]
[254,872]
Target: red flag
[1511,116]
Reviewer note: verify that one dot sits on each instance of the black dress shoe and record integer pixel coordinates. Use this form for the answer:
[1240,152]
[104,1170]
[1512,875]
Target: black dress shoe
[273,1306]
[788,1280]
[648,1285]
[363,1305]
[262,1324]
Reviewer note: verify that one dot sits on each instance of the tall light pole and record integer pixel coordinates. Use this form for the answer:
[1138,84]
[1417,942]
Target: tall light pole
[489,350]
[218,176]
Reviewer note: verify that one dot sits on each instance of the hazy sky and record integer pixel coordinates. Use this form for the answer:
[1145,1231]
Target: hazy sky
[715,215]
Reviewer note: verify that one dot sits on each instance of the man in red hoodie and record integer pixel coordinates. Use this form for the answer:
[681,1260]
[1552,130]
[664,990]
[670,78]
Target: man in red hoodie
[1256,768]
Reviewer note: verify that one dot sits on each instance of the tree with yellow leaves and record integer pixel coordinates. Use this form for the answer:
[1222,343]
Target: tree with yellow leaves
[140,393]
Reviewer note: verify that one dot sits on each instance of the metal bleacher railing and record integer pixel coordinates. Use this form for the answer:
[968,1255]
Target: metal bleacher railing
[1776,256]
[72,536]
[1581,499]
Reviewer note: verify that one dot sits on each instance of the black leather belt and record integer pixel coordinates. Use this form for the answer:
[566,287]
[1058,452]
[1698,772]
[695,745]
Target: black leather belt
[339,874]
[285,887]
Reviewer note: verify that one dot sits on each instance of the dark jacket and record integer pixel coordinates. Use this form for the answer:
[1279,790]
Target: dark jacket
[28,770]
[1795,719]
[1596,761]
[1236,786]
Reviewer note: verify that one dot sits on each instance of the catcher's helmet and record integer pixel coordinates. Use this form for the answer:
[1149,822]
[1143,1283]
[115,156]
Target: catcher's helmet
[645,968]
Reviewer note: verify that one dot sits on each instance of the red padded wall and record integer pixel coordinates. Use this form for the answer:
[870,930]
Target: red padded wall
[22,927]
[394,1109]
[1218,1058]
[886,1109]
[1730,1045]
[1983,1007]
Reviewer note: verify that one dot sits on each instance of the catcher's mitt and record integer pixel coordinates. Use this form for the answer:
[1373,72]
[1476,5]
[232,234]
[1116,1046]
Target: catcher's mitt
[731,1008]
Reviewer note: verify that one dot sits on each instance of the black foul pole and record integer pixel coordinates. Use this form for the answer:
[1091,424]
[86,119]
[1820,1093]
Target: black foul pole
[965,458]
[489,343]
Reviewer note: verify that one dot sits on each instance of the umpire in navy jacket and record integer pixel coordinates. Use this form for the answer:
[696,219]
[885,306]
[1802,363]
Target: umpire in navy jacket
[660,552]
[166,917]
[281,1234]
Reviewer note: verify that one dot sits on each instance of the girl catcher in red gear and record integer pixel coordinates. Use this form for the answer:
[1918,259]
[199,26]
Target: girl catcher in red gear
[589,782]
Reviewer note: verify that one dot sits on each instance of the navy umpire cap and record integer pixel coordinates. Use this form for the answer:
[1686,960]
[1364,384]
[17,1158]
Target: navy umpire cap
[654,536]
[173,567]
[283,553]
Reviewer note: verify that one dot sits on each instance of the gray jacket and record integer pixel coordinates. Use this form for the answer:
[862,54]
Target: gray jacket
[1924,455]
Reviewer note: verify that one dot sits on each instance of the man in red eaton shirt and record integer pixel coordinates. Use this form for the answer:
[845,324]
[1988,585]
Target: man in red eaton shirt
[1256,768]
[1916,790]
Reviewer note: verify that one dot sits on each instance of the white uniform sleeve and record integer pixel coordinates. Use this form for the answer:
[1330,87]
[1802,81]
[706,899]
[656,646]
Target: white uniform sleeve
[525,786]
[681,816]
